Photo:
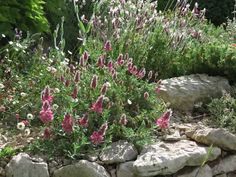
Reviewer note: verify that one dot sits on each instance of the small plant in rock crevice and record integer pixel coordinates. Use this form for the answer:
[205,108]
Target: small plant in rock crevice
[223,112]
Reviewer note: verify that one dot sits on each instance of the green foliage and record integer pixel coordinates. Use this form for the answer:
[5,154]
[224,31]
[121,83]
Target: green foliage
[56,9]
[7,152]
[25,15]
[223,112]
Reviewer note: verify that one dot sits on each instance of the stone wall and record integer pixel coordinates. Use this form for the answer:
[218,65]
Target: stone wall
[198,152]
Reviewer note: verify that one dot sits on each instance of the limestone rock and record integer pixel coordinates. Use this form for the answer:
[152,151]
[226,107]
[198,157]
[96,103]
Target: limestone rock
[226,165]
[126,170]
[221,175]
[219,137]
[83,168]
[118,152]
[231,174]
[185,91]
[205,171]
[173,137]
[22,165]
[2,172]
[167,158]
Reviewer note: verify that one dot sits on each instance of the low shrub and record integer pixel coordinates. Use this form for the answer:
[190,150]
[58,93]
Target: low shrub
[223,112]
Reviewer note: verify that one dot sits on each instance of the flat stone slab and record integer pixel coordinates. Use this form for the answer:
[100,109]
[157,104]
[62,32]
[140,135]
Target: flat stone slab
[168,158]
[185,91]
[120,151]
[218,137]
[83,168]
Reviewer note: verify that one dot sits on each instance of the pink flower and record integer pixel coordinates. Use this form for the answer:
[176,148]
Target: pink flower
[77,77]
[107,46]
[96,138]
[120,60]
[146,95]
[75,93]
[102,130]
[46,95]
[134,70]
[97,106]
[141,73]
[94,81]
[123,120]
[110,66]
[85,56]
[47,133]
[100,62]
[26,122]
[46,114]
[67,83]
[81,61]
[83,121]
[104,89]
[67,123]
[163,121]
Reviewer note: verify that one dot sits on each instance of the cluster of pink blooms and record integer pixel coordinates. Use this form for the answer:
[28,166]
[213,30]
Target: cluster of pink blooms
[97,106]
[67,123]
[163,121]
[46,114]
[98,136]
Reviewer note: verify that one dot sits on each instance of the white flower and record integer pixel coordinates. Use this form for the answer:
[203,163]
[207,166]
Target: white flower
[27,132]
[3,35]
[23,94]
[55,106]
[74,100]
[21,126]
[129,101]
[1,86]
[57,90]
[10,42]
[30,116]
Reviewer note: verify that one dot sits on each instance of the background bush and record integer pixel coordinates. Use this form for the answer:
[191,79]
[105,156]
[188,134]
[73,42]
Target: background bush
[25,15]
[217,11]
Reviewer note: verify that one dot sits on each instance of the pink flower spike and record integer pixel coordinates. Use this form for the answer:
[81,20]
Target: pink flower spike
[150,75]
[110,66]
[67,123]
[103,129]
[17,116]
[107,46]
[83,121]
[163,121]
[120,59]
[77,77]
[104,89]
[96,138]
[94,81]
[86,56]
[100,62]
[26,122]
[141,73]
[47,133]
[97,106]
[46,95]
[46,116]
[81,61]
[75,93]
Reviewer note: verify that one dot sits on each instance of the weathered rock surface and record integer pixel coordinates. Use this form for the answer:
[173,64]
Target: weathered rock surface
[225,165]
[205,171]
[219,137]
[185,91]
[167,158]
[231,174]
[22,165]
[221,175]
[2,172]
[83,168]
[118,152]
[126,170]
